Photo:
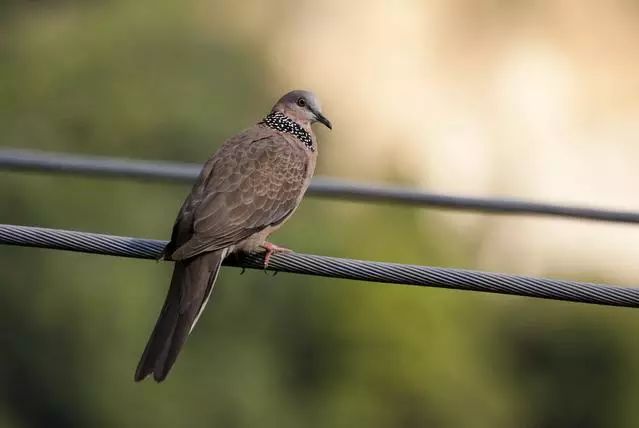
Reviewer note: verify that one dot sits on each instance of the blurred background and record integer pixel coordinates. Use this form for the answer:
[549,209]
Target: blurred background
[533,99]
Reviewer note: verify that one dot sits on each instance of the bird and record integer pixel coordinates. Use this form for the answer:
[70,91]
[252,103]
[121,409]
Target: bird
[245,191]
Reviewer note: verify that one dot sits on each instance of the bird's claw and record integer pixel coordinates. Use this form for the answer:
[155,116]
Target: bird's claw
[270,250]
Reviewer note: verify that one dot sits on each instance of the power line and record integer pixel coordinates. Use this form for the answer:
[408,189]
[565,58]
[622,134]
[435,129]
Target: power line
[22,160]
[333,267]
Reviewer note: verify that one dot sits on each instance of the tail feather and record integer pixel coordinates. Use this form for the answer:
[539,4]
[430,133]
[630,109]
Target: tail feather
[191,285]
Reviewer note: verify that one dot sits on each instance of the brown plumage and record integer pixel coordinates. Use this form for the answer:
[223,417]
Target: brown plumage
[245,191]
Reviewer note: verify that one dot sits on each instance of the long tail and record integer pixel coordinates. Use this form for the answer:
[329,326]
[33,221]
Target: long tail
[191,285]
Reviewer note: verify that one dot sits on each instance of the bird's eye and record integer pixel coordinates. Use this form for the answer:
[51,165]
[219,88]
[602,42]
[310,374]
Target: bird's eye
[301,102]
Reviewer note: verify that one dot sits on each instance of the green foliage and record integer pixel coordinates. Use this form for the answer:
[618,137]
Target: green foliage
[139,79]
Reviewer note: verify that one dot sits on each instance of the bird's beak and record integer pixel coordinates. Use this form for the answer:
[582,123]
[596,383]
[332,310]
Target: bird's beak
[321,118]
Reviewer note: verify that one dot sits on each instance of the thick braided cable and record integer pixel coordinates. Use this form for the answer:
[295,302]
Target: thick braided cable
[333,267]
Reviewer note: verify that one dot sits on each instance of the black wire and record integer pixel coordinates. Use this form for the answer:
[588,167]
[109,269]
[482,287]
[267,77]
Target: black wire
[321,187]
[333,267]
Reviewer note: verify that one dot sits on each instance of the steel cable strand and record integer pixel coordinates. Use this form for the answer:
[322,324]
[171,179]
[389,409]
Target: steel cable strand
[333,267]
[455,279]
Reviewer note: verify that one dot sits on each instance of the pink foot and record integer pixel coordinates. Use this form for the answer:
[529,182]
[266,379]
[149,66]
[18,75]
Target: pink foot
[270,250]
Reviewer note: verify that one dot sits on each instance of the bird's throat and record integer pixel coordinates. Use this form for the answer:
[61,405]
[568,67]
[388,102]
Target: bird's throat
[283,123]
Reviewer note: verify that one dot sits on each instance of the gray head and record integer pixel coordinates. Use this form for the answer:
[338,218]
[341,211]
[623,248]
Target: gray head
[303,107]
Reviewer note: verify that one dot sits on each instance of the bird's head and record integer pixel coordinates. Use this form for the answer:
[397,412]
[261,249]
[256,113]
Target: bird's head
[303,107]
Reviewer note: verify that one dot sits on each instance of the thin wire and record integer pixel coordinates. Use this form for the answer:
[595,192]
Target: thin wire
[21,160]
[333,267]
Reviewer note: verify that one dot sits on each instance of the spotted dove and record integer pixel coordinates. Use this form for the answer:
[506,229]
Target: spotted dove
[245,191]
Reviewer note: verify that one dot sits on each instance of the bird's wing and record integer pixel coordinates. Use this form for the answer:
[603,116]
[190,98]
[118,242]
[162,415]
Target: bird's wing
[253,183]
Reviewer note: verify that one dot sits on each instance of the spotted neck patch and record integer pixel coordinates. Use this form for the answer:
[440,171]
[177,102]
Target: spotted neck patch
[283,123]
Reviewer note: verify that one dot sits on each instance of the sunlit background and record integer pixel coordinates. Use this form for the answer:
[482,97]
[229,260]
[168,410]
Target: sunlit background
[530,99]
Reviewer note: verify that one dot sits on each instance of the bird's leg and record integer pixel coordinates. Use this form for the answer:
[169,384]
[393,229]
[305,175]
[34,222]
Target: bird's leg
[270,250]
